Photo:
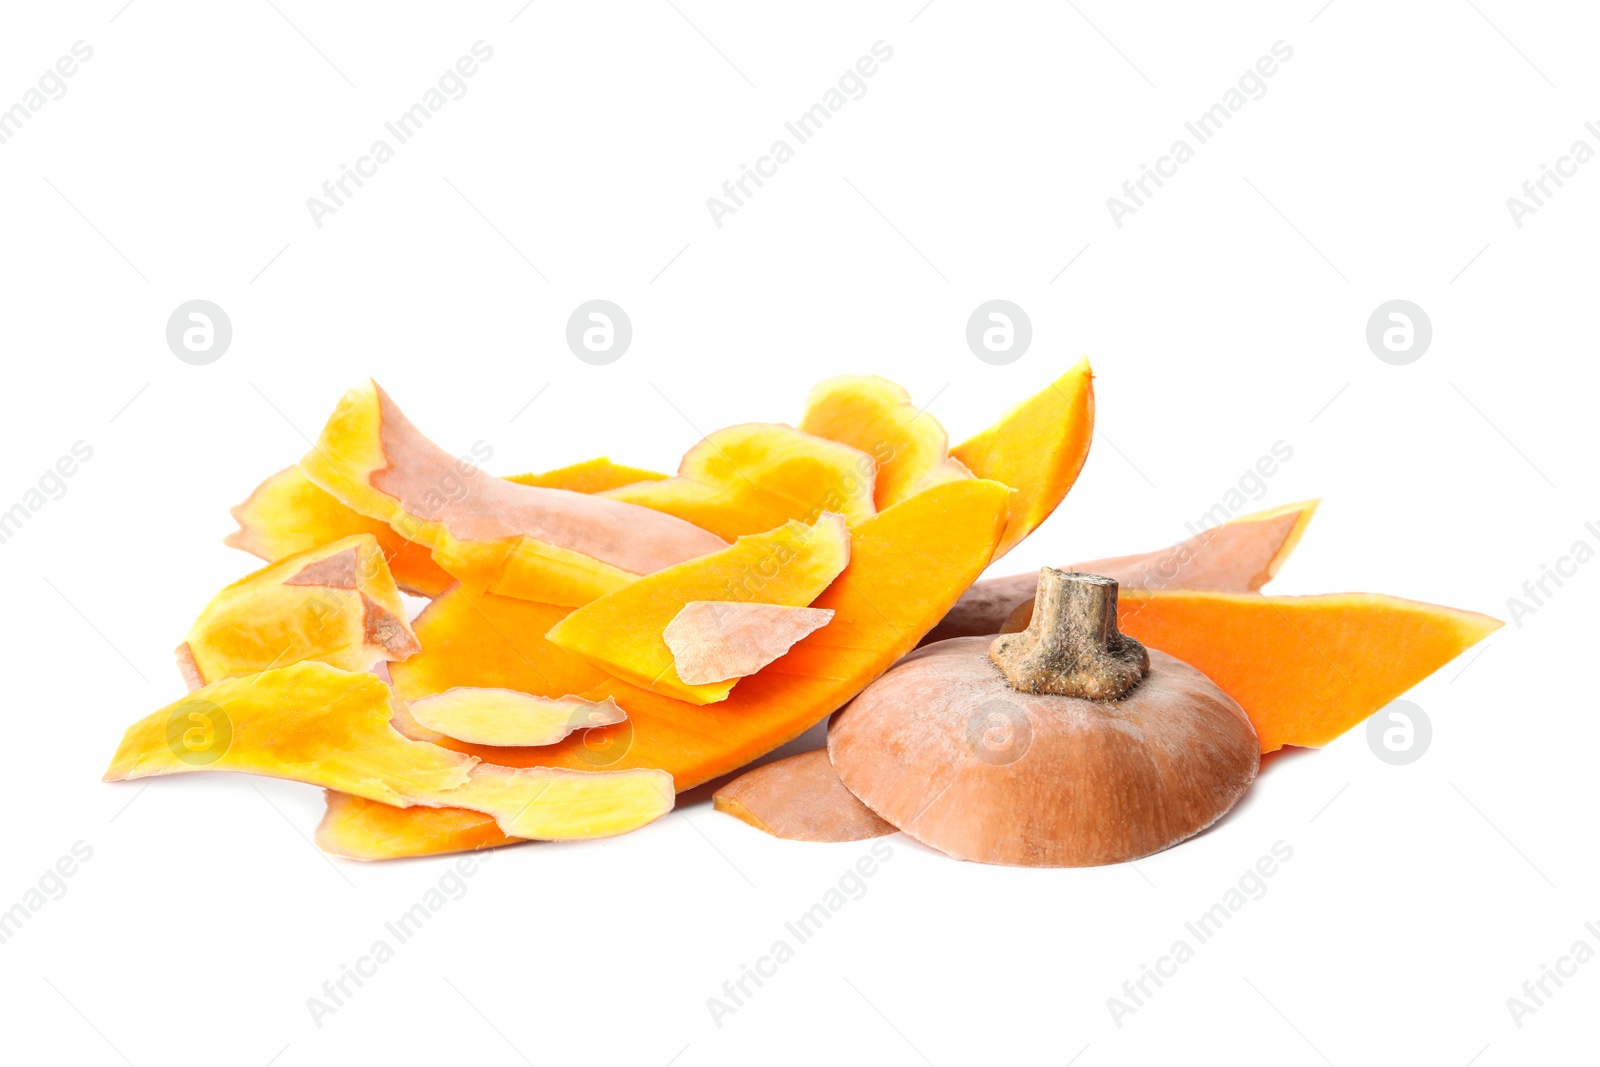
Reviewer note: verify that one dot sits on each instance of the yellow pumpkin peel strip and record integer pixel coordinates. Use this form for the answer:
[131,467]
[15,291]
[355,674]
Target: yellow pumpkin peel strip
[750,478]
[323,726]
[289,513]
[507,717]
[337,603]
[567,547]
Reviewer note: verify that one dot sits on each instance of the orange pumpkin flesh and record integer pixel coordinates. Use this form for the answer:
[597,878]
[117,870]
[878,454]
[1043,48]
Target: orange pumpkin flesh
[1037,448]
[487,641]
[1305,668]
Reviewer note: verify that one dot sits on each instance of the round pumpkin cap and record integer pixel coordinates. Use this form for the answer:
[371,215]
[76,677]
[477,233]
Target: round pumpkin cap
[1065,745]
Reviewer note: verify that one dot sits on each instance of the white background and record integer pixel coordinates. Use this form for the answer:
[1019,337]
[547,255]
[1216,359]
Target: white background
[1226,315]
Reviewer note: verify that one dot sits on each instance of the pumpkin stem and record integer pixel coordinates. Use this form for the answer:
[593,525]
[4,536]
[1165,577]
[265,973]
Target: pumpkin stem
[1072,646]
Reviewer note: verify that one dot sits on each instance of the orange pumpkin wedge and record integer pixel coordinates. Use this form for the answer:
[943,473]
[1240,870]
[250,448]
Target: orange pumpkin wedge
[882,602]
[552,545]
[1037,448]
[750,478]
[336,604]
[1304,668]
[318,724]
[876,416]
[623,633]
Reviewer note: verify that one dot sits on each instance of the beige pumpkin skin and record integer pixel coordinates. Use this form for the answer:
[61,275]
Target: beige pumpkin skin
[799,798]
[945,749]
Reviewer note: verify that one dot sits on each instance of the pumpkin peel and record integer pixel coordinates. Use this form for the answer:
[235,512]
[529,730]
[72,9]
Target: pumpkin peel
[289,513]
[1241,556]
[314,723]
[800,798]
[589,476]
[371,457]
[360,829]
[337,603]
[877,417]
[717,640]
[507,717]
[753,477]
[625,633]
[1238,556]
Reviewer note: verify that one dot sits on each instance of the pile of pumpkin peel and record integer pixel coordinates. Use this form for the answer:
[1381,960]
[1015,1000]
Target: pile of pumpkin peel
[599,638]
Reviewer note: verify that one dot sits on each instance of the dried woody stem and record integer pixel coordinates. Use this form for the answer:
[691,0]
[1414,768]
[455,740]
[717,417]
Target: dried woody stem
[1072,646]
